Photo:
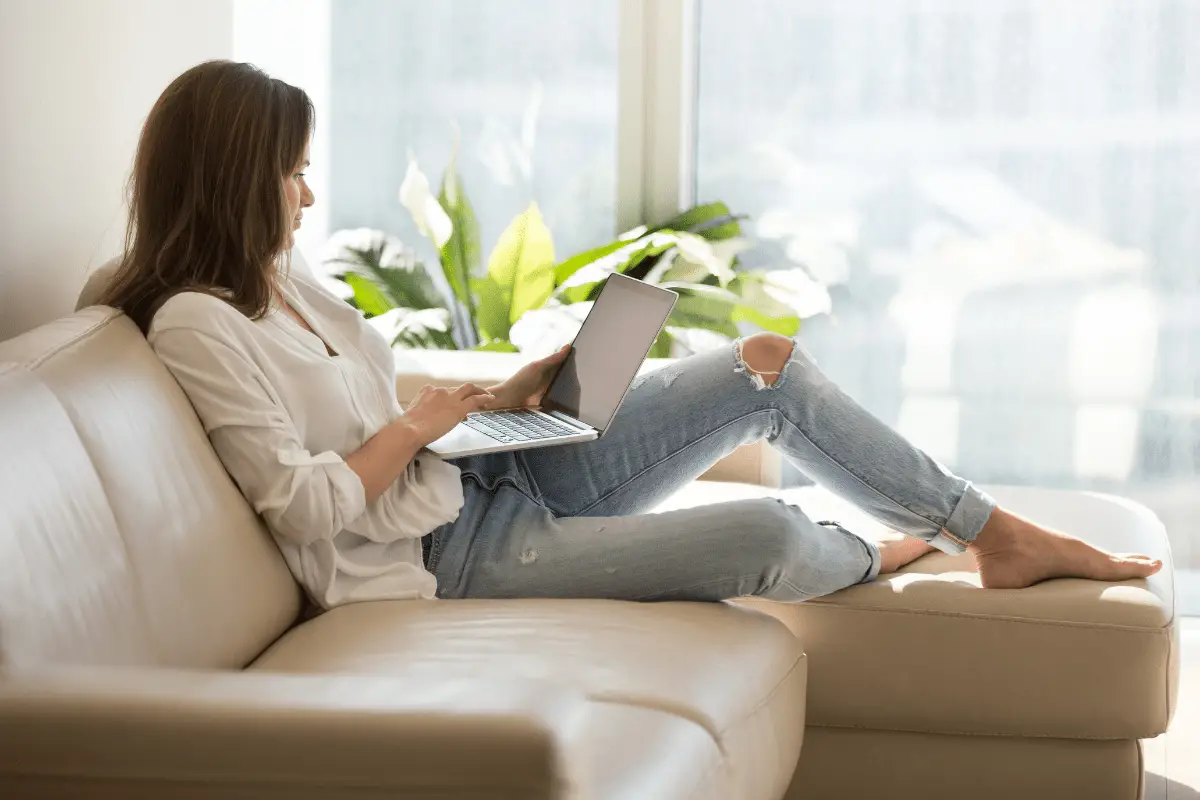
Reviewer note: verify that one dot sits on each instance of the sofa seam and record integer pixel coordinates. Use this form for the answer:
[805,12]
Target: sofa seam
[801,659]
[996,618]
[37,361]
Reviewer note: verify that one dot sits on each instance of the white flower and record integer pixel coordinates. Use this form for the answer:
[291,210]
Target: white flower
[542,331]
[430,218]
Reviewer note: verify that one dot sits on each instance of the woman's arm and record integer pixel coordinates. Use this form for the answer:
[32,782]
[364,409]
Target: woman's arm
[384,457]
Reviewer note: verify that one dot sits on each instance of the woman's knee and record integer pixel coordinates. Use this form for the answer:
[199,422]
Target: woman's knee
[771,536]
[764,355]
[797,559]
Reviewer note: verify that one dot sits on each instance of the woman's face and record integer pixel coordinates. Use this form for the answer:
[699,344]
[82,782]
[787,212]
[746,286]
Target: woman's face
[298,195]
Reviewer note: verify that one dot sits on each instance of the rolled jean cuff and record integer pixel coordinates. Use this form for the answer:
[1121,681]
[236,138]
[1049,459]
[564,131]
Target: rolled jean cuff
[965,521]
[876,560]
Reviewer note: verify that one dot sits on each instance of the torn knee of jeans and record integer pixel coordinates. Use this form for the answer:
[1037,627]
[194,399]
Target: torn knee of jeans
[757,376]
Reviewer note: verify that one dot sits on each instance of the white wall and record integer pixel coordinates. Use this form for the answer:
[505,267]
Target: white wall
[77,78]
[290,39]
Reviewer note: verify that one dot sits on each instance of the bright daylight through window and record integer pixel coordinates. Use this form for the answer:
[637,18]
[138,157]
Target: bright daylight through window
[1001,197]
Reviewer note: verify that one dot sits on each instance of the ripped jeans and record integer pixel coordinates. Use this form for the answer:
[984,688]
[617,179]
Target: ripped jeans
[574,521]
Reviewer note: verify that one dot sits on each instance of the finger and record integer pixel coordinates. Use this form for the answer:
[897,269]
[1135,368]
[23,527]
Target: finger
[480,401]
[467,390]
[557,356]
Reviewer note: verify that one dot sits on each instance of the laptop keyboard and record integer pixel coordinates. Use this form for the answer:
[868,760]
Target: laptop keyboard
[518,426]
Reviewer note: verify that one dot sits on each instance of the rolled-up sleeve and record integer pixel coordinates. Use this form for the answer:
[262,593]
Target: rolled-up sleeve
[304,497]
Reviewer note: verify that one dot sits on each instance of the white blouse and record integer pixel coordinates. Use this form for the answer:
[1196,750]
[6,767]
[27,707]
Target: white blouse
[282,415]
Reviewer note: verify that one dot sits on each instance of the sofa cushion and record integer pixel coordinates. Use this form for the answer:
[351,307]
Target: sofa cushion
[122,540]
[632,751]
[737,675]
[927,649]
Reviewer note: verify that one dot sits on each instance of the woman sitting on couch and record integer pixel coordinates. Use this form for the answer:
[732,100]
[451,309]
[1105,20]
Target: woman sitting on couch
[296,393]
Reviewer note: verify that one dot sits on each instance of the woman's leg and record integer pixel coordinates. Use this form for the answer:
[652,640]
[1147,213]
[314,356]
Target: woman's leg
[680,420]
[507,544]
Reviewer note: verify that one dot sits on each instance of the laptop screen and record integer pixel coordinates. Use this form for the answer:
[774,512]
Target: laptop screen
[611,346]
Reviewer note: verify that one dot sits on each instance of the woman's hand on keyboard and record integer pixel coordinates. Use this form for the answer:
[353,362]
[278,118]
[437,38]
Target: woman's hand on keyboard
[434,412]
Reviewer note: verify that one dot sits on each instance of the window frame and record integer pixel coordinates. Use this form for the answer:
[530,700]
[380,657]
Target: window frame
[656,116]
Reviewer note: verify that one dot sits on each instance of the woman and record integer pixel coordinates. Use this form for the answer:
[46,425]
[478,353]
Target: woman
[296,394]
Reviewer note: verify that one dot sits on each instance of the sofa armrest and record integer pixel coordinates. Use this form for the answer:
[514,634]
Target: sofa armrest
[757,463]
[167,733]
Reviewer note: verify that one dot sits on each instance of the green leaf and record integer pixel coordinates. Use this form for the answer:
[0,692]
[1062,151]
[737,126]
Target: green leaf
[496,346]
[368,297]
[383,259]
[708,307]
[583,283]
[426,327]
[710,220]
[569,267]
[719,310]
[661,347]
[491,313]
[760,308]
[460,254]
[520,274]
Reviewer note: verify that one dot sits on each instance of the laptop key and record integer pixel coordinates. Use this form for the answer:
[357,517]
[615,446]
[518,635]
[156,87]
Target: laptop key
[492,432]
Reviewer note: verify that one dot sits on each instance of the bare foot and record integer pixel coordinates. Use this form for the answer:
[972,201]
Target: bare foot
[895,553]
[1012,553]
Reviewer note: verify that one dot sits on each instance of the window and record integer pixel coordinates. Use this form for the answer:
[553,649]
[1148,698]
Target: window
[1003,196]
[1006,198]
[527,88]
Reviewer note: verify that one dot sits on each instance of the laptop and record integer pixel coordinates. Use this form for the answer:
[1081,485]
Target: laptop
[589,387]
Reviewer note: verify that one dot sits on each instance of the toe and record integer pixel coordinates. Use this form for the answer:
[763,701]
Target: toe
[1139,566]
[1138,558]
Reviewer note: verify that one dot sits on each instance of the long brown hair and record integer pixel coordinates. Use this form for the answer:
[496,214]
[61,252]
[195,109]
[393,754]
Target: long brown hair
[207,210]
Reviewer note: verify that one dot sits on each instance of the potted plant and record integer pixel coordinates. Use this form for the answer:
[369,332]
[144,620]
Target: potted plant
[524,299]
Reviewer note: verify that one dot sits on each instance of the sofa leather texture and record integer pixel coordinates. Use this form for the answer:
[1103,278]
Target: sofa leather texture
[842,763]
[124,541]
[723,668]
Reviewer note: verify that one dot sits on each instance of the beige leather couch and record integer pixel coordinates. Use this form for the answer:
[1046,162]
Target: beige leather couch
[152,646]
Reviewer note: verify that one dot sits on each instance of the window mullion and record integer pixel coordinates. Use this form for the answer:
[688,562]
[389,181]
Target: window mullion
[657,110]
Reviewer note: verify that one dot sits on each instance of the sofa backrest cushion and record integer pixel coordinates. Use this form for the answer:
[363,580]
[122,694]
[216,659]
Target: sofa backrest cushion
[122,539]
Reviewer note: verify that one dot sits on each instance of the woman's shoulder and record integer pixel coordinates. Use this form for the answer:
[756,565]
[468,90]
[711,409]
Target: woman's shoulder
[200,311]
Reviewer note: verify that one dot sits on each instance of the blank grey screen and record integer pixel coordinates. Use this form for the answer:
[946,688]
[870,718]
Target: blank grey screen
[611,345]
